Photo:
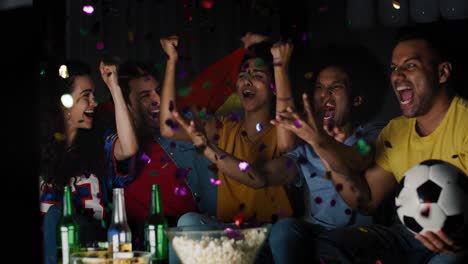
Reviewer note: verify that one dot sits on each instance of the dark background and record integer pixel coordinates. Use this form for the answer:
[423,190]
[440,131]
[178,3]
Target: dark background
[34,33]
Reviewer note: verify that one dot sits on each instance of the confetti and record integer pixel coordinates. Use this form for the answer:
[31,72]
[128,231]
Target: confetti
[63,71]
[332,202]
[396,4]
[172,144]
[153,173]
[243,166]
[183,75]
[88,9]
[67,100]
[59,136]
[362,229]
[207,85]
[426,210]
[318,200]
[339,187]
[131,37]
[308,75]
[184,91]
[216,137]
[289,164]
[222,156]
[202,114]
[182,172]
[259,62]
[362,147]
[239,219]
[215,182]
[348,211]
[313,174]
[304,36]
[80,121]
[84,32]
[99,45]
[259,127]
[144,157]
[207,4]
[171,106]
[180,190]
[297,124]
[261,147]
[272,87]
[234,117]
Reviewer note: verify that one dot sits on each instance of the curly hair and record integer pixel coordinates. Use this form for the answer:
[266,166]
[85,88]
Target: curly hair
[366,75]
[60,163]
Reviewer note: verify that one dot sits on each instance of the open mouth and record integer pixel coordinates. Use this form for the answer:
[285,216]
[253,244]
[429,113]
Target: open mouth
[155,113]
[328,111]
[89,113]
[405,95]
[248,93]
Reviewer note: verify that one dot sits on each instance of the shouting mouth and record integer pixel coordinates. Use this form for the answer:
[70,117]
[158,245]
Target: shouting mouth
[328,111]
[405,95]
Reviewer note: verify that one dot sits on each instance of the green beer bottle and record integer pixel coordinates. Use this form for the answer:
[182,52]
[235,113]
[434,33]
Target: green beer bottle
[155,239]
[68,230]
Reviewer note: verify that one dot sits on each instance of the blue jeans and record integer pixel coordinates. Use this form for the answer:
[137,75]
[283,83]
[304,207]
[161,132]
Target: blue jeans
[291,241]
[394,244]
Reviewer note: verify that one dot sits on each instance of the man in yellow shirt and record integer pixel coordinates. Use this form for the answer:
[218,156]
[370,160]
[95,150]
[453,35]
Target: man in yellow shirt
[433,126]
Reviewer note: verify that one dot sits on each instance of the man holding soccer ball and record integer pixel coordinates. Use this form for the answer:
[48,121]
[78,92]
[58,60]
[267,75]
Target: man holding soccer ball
[434,125]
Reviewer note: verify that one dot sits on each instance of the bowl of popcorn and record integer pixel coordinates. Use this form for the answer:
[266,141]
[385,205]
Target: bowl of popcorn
[209,244]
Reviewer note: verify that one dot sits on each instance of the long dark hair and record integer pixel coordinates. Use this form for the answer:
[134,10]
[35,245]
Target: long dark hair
[60,163]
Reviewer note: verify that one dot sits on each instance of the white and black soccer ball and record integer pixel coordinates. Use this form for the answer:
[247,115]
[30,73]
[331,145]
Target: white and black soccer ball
[433,195]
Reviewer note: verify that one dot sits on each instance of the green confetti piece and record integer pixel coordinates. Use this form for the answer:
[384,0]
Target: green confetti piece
[103,224]
[362,147]
[153,173]
[158,66]
[42,73]
[202,114]
[184,91]
[259,62]
[228,83]
[80,121]
[83,32]
[207,85]
[110,206]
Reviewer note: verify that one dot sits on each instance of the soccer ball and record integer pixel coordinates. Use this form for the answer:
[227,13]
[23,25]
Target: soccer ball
[433,195]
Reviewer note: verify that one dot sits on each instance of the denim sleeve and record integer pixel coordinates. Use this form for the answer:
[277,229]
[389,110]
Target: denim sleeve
[298,156]
[119,173]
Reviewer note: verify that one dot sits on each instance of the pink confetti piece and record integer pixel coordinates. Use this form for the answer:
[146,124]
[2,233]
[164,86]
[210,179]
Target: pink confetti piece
[88,9]
[180,190]
[297,124]
[243,166]
[215,182]
[144,157]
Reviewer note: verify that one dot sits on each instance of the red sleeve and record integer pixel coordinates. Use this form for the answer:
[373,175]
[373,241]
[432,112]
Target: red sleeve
[215,84]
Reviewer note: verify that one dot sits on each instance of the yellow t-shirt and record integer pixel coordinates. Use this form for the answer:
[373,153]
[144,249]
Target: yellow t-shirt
[399,147]
[259,204]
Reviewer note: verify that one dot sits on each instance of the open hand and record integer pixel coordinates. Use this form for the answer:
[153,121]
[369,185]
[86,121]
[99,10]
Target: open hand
[438,242]
[281,52]
[252,38]
[197,135]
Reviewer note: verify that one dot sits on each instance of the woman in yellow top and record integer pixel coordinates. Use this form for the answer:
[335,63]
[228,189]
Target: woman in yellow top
[251,139]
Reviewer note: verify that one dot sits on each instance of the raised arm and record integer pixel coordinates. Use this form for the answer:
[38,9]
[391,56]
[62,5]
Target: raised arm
[284,98]
[168,96]
[126,144]
[273,172]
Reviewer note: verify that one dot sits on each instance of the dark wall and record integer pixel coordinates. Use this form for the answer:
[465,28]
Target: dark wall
[19,193]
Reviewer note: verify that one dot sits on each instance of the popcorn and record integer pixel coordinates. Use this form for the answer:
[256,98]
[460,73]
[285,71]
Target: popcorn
[224,249]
